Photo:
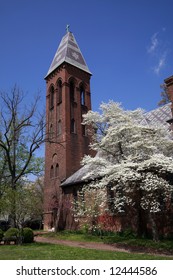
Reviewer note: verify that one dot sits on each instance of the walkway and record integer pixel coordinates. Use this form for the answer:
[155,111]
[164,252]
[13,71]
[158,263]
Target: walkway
[86,245]
[102,246]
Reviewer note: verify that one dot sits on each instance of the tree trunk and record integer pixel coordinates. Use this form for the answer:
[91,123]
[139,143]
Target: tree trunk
[58,213]
[141,223]
[154,228]
[12,216]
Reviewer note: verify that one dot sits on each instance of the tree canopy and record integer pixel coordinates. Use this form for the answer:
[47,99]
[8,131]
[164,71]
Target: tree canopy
[21,134]
[134,160]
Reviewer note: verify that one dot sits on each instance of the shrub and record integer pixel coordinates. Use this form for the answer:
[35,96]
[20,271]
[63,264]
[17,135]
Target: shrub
[34,224]
[85,229]
[11,232]
[4,225]
[28,235]
[128,233]
[1,234]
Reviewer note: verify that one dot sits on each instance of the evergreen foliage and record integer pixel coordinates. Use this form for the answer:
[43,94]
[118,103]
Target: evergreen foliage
[28,235]
[11,232]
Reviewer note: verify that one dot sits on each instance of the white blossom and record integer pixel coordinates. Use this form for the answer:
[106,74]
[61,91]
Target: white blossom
[133,158]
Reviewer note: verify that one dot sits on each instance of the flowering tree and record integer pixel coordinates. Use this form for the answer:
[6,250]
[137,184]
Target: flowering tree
[89,205]
[134,160]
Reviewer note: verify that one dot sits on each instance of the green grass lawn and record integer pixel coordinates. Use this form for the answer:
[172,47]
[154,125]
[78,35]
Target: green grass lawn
[42,251]
[73,236]
[39,251]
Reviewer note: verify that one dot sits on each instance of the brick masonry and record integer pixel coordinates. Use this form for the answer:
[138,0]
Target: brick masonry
[64,150]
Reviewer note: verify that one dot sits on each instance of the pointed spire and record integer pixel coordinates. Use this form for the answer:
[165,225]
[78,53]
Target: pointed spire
[67,27]
[68,51]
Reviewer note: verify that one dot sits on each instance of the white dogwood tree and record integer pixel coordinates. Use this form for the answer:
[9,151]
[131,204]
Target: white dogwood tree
[134,160]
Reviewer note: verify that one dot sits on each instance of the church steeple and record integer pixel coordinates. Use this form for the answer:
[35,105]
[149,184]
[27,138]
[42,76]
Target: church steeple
[68,51]
[67,99]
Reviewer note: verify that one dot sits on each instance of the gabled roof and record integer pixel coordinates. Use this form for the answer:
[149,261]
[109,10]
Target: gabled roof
[78,176]
[68,51]
[158,116]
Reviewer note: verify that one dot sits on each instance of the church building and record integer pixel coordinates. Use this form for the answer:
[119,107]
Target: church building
[68,97]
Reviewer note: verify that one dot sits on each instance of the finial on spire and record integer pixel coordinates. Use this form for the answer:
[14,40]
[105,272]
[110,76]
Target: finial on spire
[67,28]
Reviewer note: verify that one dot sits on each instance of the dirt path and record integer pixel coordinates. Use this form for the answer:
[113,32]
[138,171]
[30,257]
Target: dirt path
[102,246]
[87,245]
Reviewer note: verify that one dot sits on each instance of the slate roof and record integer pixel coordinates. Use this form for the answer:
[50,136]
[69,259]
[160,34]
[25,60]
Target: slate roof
[77,177]
[158,116]
[68,51]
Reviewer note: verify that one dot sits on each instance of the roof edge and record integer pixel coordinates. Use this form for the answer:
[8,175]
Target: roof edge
[65,62]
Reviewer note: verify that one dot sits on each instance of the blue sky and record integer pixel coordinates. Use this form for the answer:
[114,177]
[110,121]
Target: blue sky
[127,44]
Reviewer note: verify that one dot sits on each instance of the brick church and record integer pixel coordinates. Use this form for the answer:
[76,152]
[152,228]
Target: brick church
[68,97]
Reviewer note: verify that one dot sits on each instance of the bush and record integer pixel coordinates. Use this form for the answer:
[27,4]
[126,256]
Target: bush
[11,232]
[128,233]
[1,234]
[28,235]
[4,225]
[34,224]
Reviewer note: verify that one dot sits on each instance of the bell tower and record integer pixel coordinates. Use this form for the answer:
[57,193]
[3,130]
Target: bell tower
[67,99]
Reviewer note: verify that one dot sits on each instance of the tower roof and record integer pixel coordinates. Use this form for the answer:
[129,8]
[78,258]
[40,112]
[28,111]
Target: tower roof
[68,51]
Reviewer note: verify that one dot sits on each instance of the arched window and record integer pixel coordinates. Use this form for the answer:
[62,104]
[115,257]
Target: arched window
[59,128]
[54,159]
[56,170]
[51,103]
[59,92]
[73,126]
[84,130]
[82,96]
[51,131]
[72,99]
[51,172]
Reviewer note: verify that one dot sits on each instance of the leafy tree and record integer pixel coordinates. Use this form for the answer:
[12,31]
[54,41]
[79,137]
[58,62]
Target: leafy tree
[36,191]
[2,173]
[29,201]
[134,162]
[21,134]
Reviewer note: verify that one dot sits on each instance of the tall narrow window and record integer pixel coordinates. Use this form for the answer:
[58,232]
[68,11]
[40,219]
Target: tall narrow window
[51,131]
[59,92]
[51,172]
[72,92]
[84,130]
[51,104]
[56,170]
[59,128]
[73,126]
[82,95]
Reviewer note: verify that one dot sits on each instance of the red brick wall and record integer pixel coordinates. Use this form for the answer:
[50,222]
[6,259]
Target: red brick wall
[169,85]
[66,149]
